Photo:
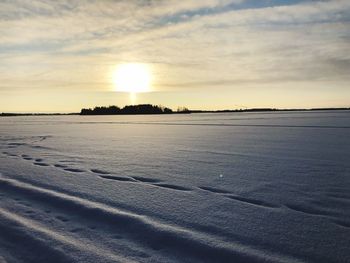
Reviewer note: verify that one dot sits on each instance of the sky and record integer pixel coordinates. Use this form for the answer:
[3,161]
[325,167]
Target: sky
[61,56]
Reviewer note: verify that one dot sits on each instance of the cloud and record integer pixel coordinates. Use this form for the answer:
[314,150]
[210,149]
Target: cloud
[190,44]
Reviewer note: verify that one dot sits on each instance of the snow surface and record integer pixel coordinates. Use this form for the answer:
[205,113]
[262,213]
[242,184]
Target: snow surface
[234,187]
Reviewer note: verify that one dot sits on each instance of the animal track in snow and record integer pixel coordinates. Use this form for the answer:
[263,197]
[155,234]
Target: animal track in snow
[307,210]
[146,179]
[118,178]
[74,170]
[341,223]
[98,171]
[62,218]
[214,190]
[173,187]
[247,200]
[60,166]
[27,158]
[252,201]
[41,164]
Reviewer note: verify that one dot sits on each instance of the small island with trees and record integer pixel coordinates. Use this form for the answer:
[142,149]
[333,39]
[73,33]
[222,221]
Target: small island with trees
[132,110]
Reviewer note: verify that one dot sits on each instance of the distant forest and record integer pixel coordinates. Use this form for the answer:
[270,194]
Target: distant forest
[151,109]
[132,109]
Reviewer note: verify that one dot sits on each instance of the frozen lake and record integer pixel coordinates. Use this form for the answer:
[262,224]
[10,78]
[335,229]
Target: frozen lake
[230,187]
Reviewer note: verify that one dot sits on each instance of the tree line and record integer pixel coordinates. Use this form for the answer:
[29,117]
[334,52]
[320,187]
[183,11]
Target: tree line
[131,109]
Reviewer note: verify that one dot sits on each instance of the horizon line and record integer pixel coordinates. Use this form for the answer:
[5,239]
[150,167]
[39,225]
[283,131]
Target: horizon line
[237,110]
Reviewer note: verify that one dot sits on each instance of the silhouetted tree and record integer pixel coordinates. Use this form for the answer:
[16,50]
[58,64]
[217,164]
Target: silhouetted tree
[182,110]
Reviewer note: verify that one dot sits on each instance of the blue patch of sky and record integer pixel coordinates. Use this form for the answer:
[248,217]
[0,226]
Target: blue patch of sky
[253,4]
[342,16]
[248,4]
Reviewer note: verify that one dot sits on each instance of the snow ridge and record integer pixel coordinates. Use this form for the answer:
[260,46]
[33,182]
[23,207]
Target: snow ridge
[140,229]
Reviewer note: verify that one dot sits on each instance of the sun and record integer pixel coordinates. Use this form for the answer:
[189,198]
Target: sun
[132,78]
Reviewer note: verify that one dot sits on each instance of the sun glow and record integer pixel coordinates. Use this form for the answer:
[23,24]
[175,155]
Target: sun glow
[132,78]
